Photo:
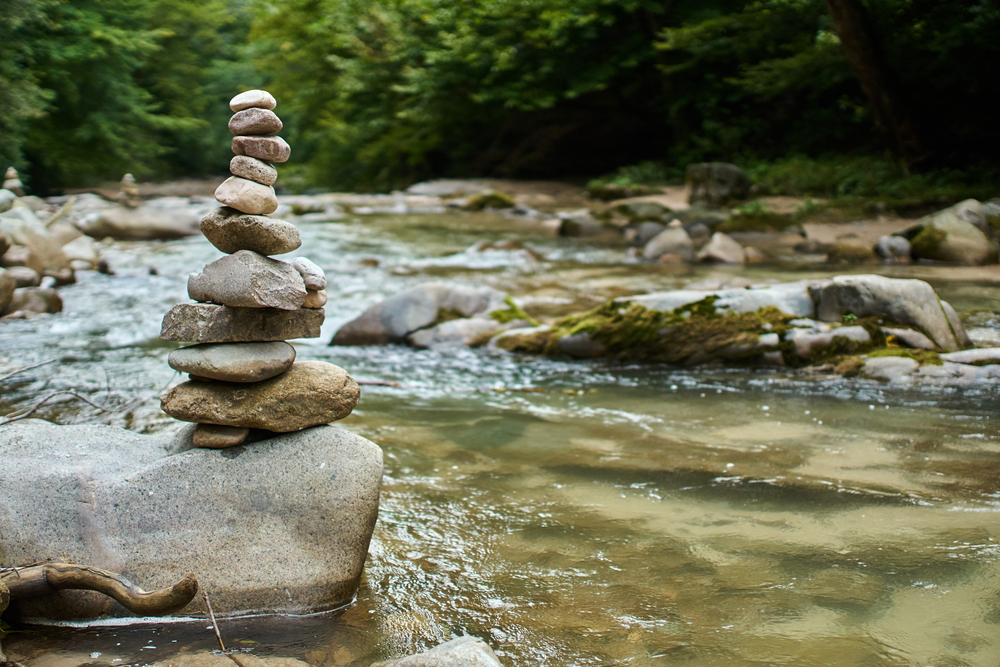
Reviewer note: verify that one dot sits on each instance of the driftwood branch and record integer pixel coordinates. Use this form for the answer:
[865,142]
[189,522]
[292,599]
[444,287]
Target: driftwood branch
[51,577]
[26,368]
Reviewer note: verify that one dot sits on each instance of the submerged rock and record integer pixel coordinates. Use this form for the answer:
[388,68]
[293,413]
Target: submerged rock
[461,652]
[281,525]
[949,236]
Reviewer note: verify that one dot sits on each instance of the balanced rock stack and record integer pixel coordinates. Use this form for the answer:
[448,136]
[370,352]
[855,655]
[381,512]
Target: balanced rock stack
[12,182]
[243,375]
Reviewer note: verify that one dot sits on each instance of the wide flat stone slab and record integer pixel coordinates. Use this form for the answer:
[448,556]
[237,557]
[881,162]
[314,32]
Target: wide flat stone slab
[279,525]
[247,279]
[230,231]
[209,323]
[234,362]
[307,394]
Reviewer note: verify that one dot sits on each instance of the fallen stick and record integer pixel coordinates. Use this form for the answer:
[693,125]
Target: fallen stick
[215,626]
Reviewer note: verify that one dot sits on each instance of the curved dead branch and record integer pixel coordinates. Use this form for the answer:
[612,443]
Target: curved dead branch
[46,578]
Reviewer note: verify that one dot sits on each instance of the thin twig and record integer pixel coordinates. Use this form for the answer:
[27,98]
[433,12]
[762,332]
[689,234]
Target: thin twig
[15,569]
[215,626]
[26,368]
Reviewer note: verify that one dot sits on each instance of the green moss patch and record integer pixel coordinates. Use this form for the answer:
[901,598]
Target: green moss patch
[928,241]
[511,313]
[851,254]
[922,357]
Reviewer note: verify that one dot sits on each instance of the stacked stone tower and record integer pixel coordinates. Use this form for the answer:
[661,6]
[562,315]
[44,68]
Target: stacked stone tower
[243,375]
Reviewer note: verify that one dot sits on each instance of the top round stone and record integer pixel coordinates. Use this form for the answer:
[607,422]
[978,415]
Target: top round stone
[260,99]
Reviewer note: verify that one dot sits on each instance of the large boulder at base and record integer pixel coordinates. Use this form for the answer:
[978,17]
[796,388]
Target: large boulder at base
[279,525]
[210,323]
[672,241]
[909,302]
[949,236]
[392,320]
[461,652]
[716,183]
[140,224]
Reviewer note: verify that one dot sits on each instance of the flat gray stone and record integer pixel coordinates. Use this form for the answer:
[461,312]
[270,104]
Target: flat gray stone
[281,525]
[312,275]
[458,333]
[461,652]
[247,279]
[254,121]
[673,241]
[978,357]
[213,436]
[307,394]
[234,362]
[208,323]
[253,169]
[890,369]
[260,99]
[722,249]
[910,338]
[952,235]
[230,231]
[807,340]
[272,149]
[139,224]
[247,196]
[790,298]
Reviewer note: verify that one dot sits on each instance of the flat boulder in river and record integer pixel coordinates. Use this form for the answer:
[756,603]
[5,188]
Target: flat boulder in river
[279,525]
[140,224]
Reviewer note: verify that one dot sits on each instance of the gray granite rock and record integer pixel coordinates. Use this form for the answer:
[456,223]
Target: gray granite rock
[7,287]
[34,300]
[247,279]
[791,298]
[24,228]
[272,149]
[673,241]
[894,249]
[230,231]
[722,249]
[890,369]
[280,525]
[307,394]
[208,323]
[312,275]
[978,357]
[910,302]
[315,298]
[461,652]
[139,224]
[7,199]
[457,333]
[910,338]
[260,99]
[254,121]
[952,235]
[253,169]
[24,276]
[247,196]
[234,362]
[807,341]
[213,436]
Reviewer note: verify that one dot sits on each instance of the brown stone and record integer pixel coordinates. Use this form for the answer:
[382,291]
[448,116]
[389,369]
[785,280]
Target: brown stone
[253,169]
[308,394]
[254,121]
[230,231]
[233,362]
[247,196]
[272,149]
[247,279]
[213,436]
[208,323]
[315,298]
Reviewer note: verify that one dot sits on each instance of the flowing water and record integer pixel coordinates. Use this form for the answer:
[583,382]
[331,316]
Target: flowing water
[582,512]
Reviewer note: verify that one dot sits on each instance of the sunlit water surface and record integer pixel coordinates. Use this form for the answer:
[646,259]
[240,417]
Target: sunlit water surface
[581,513]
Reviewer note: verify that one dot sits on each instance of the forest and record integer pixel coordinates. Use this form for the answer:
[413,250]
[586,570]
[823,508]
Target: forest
[812,96]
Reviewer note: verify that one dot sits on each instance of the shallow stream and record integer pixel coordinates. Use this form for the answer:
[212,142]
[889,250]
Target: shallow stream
[575,512]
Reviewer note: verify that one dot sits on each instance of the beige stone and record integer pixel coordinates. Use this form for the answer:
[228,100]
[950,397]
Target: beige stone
[254,121]
[315,298]
[213,436]
[247,196]
[253,98]
[272,149]
[208,323]
[308,394]
[230,231]
[247,279]
[313,276]
[253,169]
[233,362]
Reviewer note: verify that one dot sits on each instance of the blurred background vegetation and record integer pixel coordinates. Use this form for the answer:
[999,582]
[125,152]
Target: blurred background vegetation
[377,94]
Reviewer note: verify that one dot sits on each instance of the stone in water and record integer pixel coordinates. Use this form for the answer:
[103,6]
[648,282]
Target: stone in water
[254,121]
[315,299]
[213,436]
[272,149]
[260,99]
[208,323]
[230,231]
[247,279]
[234,362]
[253,169]
[311,273]
[247,196]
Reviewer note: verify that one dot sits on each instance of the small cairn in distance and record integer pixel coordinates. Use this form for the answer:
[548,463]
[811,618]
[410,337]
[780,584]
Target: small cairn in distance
[12,182]
[243,373]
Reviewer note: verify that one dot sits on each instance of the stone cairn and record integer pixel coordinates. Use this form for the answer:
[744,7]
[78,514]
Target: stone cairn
[12,182]
[243,375]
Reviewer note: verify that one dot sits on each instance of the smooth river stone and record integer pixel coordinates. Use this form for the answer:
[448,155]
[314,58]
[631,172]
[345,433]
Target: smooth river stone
[313,276]
[234,362]
[247,196]
[260,99]
[208,323]
[315,298]
[247,279]
[255,122]
[253,169]
[308,394]
[230,231]
[272,149]
[213,436]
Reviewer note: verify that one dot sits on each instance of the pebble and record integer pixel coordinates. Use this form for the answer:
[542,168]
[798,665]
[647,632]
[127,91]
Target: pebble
[247,196]
[315,299]
[213,436]
[209,323]
[260,99]
[312,275]
[233,362]
[247,279]
[253,169]
[254,121]
[230,231]
[272,149]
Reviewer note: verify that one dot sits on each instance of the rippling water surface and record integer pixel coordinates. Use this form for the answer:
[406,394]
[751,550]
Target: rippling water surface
[583,513]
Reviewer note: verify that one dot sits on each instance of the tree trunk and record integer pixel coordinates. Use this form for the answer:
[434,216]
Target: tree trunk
[892,117]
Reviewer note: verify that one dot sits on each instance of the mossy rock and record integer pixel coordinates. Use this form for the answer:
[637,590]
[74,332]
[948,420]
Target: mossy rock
[612,191]
[922,357]
[511,313]
[641,211]
[928,241]
[843,253]
[492,199]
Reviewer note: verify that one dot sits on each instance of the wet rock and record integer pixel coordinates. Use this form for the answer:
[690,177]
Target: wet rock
[461,652]
[247,196]
[910,302]
[34,300]
[716,183]
[82,253]
[673,241]
[5,244]
[461,332]
[810,341]
[213,436]
[977,357]
[253,169]
[894,249]
[307,394]
[260,99]
[722,249]
[530,340]
[24,228]
[844,253]
[254,121]
[247,279]
[281,525]
[141,224]
[315,298]
[699,232]
[24,276]
[208,323]
[948,236]
[234,362]
[216,659]
[646,231]
[890,369]
[790,298]
[272,149]
[392,320]
[579,223]
[312,275]
[582,346]
[637,211]
[7,287]
[7,199]
[230,231]
[491,199]
[910,338]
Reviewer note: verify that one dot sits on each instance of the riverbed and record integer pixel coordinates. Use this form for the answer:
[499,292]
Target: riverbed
[581,512]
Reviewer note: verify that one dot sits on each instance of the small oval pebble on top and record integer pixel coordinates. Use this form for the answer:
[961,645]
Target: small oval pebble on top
[253,98]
